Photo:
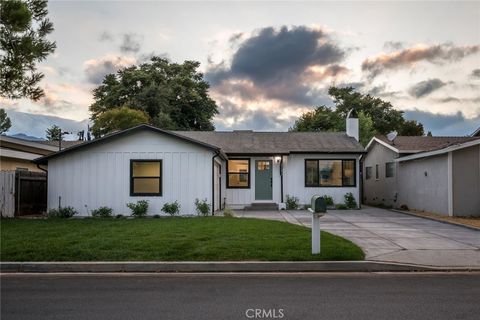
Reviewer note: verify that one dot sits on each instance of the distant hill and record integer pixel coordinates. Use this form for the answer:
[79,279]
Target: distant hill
[34,125]
[23,136]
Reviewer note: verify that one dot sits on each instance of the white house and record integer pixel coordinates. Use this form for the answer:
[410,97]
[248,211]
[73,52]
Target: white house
[433,174]
[238,169]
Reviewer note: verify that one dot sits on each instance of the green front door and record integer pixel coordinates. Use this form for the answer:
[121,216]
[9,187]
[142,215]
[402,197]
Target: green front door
[263,180]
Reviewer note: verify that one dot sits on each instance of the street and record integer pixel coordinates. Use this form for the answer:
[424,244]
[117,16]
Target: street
[241,296]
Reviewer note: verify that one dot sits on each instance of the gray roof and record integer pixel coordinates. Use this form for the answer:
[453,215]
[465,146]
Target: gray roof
[251,142]
[65,143]
[409,144]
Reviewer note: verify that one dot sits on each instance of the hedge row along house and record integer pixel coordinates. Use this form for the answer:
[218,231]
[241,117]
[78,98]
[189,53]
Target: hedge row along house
[239,169]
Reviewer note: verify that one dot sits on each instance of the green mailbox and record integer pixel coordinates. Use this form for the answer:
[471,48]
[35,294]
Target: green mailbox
[319,205]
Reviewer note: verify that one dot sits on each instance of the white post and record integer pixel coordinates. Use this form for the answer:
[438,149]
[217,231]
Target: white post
[315,233]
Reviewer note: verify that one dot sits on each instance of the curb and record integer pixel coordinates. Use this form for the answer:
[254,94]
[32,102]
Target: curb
[433,219]
[206,267]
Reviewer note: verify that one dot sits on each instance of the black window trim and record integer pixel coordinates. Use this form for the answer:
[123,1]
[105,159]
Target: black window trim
[154,194]
[248,173]
[318,170]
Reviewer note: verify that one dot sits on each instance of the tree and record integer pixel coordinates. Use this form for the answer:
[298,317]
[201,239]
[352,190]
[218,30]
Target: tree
[174,96]
[5,122]
[24,27]
[54,133]
[375,116]
[118,119]
[411,128]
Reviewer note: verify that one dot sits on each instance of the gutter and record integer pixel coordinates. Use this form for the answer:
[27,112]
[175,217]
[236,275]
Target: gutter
[217,153]
[281,179]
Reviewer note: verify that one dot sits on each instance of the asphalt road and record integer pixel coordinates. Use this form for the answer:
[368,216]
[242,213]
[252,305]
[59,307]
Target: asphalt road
[236,296]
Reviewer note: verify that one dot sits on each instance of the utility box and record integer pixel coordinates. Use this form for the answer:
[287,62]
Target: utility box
[319,205]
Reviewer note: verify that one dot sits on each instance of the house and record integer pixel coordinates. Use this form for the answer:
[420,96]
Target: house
[238,169]
[17,154]
[476,133]
[433,174]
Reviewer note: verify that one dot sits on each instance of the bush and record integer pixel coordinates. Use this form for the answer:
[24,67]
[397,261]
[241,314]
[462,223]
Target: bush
[119,216]
[156,216]
[203,208]
[404,207]
[227,212]
[292,203]
[341,206]
[139,209]
[65,212]
[328,200]
[171,208]
[350,201]
[102,212]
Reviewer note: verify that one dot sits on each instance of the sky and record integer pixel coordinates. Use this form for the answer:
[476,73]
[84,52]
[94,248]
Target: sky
[268,62]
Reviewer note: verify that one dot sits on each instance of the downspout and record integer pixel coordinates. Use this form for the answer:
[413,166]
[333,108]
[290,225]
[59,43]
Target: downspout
[217,153]
[281,179]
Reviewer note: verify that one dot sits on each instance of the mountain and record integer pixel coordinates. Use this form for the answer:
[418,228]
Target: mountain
[34,125]
[23,136]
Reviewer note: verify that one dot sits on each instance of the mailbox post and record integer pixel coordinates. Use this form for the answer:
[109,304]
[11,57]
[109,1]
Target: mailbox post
[318,209]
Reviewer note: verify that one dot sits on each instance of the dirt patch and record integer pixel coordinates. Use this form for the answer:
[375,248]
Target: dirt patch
[469,221]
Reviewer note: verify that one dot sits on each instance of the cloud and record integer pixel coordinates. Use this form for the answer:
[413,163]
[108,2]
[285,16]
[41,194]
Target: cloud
[105,36]
[407,58]
[445,125]
[424,88]
[475,73]
[281,64]
[131,43]
[96,69]
[393,45]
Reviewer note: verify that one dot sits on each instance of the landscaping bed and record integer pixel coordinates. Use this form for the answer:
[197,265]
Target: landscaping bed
[165,239]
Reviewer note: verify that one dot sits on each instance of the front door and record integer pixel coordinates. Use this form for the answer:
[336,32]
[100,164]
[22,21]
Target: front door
[263,180]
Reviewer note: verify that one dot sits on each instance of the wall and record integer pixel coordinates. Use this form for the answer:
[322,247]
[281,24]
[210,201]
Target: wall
[13,164]
[424,192]
[381,191]
[100,175]
[294,179]
[466,181]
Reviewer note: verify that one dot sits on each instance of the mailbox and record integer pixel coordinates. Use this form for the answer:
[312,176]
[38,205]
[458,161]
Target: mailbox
[319,205]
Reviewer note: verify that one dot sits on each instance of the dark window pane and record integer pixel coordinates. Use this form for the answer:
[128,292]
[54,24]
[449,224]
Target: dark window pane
[238,180]
[368,173]
[389,169]
[330,173]
[238,173]
[376,172]
[146,169]
[348,173]
[311,173]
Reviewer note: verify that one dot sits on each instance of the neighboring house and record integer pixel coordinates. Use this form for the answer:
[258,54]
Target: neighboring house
[433,174]
[17,154]
[237,169]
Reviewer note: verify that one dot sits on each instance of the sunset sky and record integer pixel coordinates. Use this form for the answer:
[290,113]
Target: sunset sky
[267,62]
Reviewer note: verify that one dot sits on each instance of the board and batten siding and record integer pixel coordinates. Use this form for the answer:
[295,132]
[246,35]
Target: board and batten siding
[99,175]
[294,179]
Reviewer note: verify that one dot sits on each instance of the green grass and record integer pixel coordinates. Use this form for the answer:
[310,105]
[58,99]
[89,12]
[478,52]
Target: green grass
[165,239]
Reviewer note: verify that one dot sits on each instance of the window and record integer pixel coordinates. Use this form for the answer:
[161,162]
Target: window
[145,177]
[389,169]
[329,173]
[376,172]
[368,173]
[238,175]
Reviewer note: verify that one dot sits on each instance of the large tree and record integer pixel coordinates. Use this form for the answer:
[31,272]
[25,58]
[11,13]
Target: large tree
[174,96]
[118,119]
[24,27]
[5,122]
[376,116]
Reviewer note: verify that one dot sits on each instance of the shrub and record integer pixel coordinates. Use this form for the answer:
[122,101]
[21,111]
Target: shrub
[65,212]
[341,206]
[404,207]
[328,200]
[119,216]
[350,201]
[227,212]
[156,216]
[102,212]
[292,202]
[203,208]
[171,208]
[139,209]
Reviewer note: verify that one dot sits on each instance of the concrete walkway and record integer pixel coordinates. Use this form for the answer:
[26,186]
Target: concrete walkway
[385,235]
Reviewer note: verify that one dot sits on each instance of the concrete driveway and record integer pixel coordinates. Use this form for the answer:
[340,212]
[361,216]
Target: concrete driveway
[385,235]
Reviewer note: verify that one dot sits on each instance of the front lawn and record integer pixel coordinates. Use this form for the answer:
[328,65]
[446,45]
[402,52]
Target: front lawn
[165,239]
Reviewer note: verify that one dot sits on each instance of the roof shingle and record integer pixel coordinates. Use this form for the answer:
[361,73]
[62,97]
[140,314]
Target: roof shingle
[413,144]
